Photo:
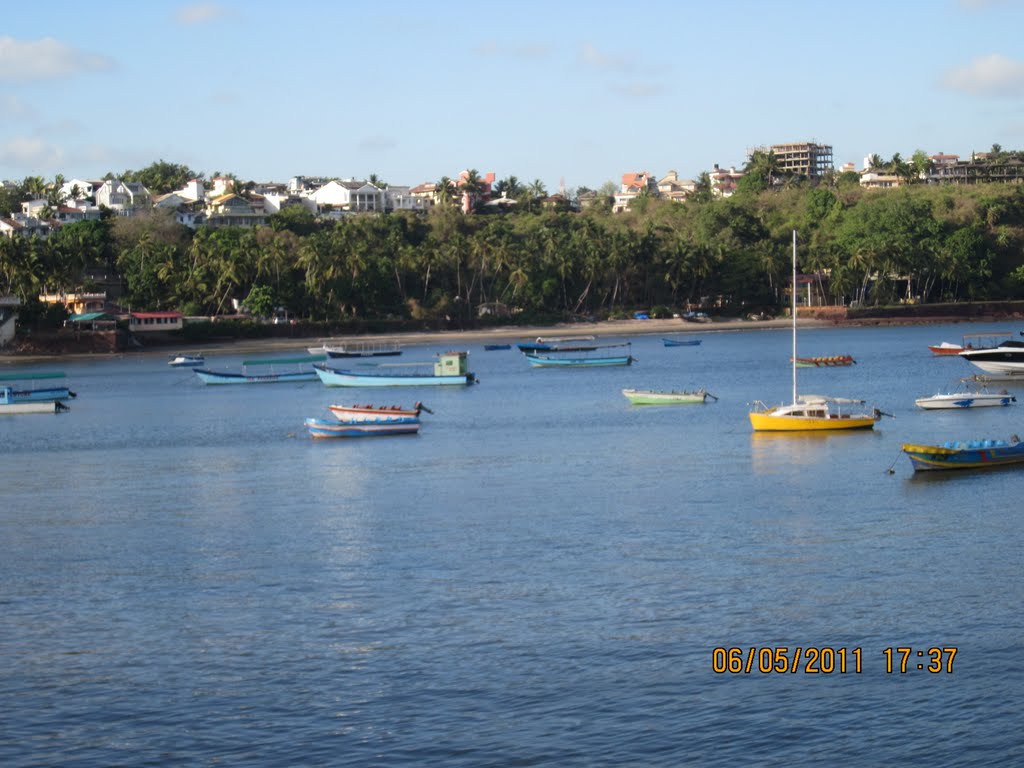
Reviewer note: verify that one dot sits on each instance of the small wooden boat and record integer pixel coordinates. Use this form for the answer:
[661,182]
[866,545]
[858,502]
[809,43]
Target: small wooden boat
[358,349]
[356,413]
[975,454]
[26,393]
[186,361]
[965,398]
[945,348]
[271,377]
[652,397]
[10,405]
[576,361]
[681,342]
[371,428]
[450,369]
[495,347]
[824,362]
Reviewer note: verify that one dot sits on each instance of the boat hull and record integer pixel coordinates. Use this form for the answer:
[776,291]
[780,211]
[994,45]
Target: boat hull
[681,342]
[215,377]
[946,349]
[964,400]
[332,377]
[769,421]
[356,413]
[48,406]
[648,397]
[48,394]
[543,361]
[186,361]
[964,455]
[838,361]
[318,428]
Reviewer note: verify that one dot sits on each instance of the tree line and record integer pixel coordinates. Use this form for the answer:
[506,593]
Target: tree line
[920,243]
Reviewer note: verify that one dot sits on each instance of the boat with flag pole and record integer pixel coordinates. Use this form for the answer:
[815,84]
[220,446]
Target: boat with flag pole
[810,412]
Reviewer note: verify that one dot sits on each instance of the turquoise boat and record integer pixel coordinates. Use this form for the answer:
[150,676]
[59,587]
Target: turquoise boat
[29,394]
[576,360]
[270,377]
[974,454]
[449,370]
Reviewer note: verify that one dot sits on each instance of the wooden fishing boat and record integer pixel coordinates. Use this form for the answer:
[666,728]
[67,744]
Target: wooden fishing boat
[495,347]
[358,349]
[371,428]
[449,370]
[965,398]
[809,412]
[272,376]
[824,362]
[370,412]
[681,342]
[10,405]
[20,388]
[182,360]
[653,397]
[581,361]
[975,454]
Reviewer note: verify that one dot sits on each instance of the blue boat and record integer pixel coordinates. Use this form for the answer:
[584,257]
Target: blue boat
[449,370]
[575,361]
[394,425]
[681,342]
[10,405]
[28,394]
[493,347]
[271,377]
[974,454]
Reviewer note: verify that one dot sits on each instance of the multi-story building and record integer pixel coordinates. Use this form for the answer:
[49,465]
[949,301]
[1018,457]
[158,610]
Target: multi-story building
[804,158]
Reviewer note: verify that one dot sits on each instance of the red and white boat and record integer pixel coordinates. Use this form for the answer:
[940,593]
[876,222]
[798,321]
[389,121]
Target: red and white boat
[357,413]
[945,348]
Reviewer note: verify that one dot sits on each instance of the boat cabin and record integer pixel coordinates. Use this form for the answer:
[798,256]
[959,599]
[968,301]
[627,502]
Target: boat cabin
[452,364]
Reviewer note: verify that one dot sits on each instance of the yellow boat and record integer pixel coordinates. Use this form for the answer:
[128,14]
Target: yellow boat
[808,412]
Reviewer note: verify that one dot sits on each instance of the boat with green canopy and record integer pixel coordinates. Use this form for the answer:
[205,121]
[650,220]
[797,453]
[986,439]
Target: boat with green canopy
[21,387]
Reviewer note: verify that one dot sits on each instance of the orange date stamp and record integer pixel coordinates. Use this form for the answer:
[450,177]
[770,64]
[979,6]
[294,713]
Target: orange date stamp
[827,660]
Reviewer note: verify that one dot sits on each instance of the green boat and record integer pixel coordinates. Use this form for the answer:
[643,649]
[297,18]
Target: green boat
[651,397]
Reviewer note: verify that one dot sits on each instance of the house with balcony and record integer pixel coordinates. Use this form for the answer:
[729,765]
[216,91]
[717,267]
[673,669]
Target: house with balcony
[349,195]
[233,210]
[632,185]
[125,198]
[724,182]
[672,187]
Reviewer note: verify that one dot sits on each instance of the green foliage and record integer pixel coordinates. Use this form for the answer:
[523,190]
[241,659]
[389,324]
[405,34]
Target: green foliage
[161,177]
[260,301]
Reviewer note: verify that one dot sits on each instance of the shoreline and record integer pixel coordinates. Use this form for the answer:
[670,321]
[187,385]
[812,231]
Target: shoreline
[463,338]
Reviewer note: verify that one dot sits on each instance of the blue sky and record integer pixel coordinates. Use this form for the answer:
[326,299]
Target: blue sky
[568,92]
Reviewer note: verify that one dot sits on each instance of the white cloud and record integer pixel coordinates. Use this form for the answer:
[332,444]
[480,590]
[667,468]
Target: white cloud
[45,59]
[523,51]
[29,153]
[13,109]
[200,13]
[591,57]
[992,75]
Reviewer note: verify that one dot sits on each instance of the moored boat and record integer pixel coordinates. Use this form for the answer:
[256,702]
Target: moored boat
[370,428]
[681,342]
[945,348]
[25,392]
[654,397]
[495,347]
[974,454]
[10,405]
[358,349]
[600,358]
[272,375]
[965,398]
[1005,359]
[809,412]
[825,362]
[371,412]
[450,369]
[182,360]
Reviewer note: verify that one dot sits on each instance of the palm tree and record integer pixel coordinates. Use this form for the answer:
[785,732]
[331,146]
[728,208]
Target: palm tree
[443,193]
[472,190]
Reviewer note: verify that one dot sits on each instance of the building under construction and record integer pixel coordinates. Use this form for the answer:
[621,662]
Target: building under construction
[805,158]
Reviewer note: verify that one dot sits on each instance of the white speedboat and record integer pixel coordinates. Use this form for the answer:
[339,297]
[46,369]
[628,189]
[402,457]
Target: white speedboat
[1006,359]
[185,361]
[964,400]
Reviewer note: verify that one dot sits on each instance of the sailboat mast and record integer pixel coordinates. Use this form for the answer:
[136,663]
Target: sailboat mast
[793,312]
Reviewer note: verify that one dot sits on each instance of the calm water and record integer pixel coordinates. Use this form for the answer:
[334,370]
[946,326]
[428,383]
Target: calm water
[539,578]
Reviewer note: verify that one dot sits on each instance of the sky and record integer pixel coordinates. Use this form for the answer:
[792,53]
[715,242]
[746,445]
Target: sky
[570,93]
